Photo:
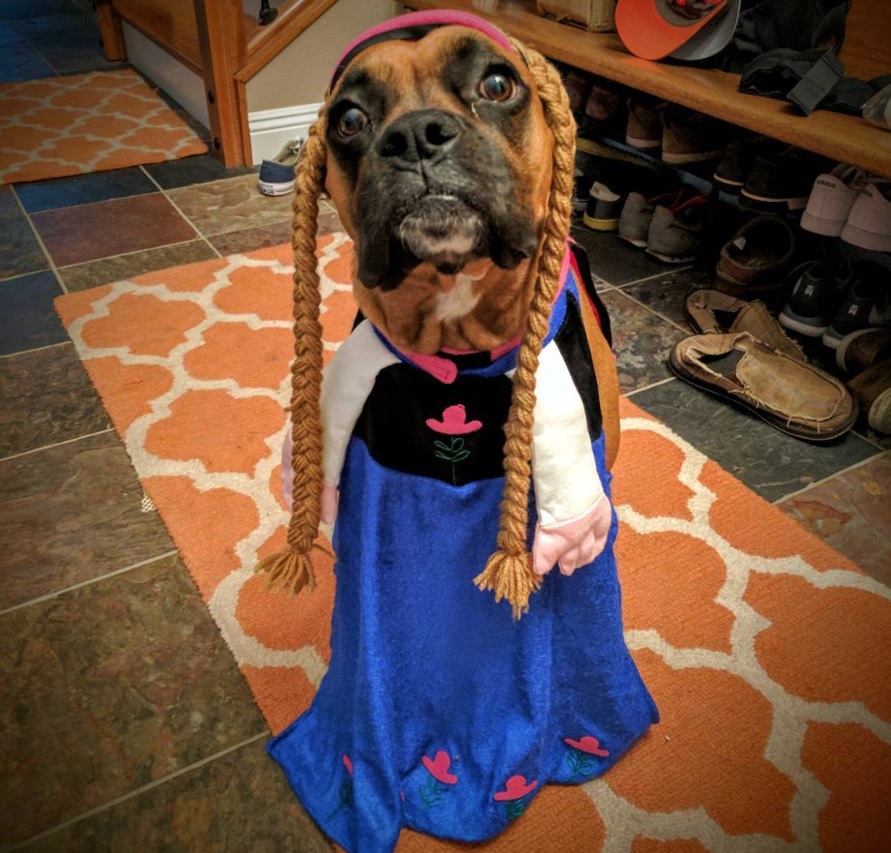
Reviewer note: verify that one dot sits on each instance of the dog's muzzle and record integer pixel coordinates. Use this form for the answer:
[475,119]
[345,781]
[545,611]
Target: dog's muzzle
[437,192]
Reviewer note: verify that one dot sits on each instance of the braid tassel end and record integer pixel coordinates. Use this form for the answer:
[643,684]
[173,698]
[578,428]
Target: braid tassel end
[510,576]
[288,571]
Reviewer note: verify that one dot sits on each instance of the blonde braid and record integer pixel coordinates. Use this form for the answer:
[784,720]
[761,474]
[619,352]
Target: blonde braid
[292,569]
[509,572]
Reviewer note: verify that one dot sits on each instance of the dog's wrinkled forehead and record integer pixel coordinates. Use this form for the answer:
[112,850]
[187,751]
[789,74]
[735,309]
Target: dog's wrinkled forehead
[412,27]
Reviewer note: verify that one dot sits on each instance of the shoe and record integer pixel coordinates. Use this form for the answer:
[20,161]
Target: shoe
[872,389]
[862,349]
[277,175]
[605,106]
[856,305]
[612,180]
[869,221]
[813,301]
[790,395]
[754,263]
[781,181]
[637,215]
[710,312]
[578,87]
[877,110]
[643,128]
[603,209]
[734,165]
[831,199]
[691,137]
[675,233]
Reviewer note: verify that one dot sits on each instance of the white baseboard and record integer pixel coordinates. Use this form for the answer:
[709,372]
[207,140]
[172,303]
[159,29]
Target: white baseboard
[271,129]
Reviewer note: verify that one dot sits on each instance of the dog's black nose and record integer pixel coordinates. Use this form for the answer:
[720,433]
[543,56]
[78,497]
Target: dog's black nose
[419,136]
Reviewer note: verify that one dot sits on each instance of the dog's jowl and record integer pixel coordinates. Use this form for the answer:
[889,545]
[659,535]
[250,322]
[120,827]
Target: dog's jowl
[460,440]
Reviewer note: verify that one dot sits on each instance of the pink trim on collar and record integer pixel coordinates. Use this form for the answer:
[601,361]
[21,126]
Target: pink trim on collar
[430,18]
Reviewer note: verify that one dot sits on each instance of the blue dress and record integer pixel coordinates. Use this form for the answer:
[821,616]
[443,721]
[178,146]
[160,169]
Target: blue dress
[439,711]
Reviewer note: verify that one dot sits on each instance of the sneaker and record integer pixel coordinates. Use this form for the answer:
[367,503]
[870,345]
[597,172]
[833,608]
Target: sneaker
[733,167]
[675,233]
[755,262]
[691,137]
[277,175]
[637,215]
[813,302]
[854,310]
[831,199]
[863,348]
[581,188]
[578,87]
[869,222]
[603,209]
[643,128]
[782,181]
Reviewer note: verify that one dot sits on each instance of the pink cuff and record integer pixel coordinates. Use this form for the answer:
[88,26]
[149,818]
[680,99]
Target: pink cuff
[329,502]
[573,543]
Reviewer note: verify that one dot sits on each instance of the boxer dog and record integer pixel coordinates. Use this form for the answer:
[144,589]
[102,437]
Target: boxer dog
[478,384]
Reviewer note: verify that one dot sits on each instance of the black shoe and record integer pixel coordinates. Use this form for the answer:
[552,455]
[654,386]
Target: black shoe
[854,310]
[814,300]
[781,181]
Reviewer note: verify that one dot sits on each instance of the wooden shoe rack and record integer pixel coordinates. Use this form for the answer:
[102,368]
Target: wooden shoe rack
[843,138]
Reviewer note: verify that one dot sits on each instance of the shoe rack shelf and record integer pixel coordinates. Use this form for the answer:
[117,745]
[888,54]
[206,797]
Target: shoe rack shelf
[843,138]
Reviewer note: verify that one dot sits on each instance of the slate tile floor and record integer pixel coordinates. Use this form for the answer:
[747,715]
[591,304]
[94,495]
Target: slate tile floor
[126,724]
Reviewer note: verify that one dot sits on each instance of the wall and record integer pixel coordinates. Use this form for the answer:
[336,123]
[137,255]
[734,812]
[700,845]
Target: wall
[299,74]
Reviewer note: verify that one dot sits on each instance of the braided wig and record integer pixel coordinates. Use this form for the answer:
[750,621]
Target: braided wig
[508,572]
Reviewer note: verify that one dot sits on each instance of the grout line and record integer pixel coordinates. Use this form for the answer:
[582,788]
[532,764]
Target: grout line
[655,313]
[832,476]
[630,394]
[58,443]
[124,255]
[139,791]
[74,587]
[179,210]
[52,264]
[35,349]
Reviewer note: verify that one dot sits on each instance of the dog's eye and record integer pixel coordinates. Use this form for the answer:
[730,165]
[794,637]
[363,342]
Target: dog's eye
[497,87]
[353,121]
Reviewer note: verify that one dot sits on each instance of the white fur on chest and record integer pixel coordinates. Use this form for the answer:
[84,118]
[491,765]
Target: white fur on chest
[459,301]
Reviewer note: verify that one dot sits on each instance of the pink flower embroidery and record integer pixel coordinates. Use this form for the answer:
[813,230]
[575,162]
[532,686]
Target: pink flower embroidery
[587,744]
[348,764]
[454,422]
[438,767]
[515,789]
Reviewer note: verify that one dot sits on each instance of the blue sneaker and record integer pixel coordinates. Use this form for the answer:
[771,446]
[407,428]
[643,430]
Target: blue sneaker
[277,175]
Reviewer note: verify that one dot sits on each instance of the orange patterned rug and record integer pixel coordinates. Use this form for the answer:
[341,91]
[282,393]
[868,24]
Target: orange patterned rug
[766,651]
[62,126]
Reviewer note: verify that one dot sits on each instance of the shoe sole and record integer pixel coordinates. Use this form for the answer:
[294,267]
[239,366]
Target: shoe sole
[637,242]
[819,225]
[801,325]
[775,421]
[275,189]
[600,224]
[643,144]
[866,239]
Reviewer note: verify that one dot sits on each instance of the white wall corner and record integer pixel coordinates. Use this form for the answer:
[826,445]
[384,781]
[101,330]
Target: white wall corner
[271,130]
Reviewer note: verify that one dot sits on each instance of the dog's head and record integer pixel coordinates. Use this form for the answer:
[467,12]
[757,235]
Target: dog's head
[439,164]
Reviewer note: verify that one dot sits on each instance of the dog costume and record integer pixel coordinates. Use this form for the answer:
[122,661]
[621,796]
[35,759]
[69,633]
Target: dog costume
[440,710]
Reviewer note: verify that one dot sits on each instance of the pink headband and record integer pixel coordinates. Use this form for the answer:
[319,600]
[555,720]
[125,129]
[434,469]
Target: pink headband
[411,27]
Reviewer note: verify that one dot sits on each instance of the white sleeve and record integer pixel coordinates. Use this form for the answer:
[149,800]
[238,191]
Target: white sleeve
[564,471]
[347,381]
